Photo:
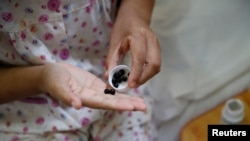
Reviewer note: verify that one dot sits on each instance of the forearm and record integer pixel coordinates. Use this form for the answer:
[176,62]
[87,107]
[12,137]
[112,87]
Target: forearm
[19,82]
[136,9]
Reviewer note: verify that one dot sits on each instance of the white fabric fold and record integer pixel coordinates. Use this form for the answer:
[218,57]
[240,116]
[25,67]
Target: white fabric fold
[205,46]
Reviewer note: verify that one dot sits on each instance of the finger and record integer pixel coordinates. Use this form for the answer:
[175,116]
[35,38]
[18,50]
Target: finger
[139,105]
[101,101]
[136,101]
[153,60]
[99,86]
[138,54]
[66,95]
[113,57]
[76,102]
[133,98]
[104,101]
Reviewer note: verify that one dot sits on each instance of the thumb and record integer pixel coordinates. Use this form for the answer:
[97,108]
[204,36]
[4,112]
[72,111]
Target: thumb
[118,47]
[113,58]
[110,63]
[64,93]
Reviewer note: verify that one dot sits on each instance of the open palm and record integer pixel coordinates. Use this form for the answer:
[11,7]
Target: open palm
[78,88]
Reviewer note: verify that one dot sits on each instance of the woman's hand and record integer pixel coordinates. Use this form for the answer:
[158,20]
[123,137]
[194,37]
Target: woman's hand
[78,88]
[131,31]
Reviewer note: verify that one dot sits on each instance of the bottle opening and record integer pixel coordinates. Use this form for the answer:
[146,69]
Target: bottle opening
[234,105]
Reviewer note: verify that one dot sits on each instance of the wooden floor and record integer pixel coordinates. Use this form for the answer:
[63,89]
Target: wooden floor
[196,129]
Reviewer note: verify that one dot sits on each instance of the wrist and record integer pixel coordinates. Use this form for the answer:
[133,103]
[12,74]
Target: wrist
[39,79]
[139,10]
[19,82]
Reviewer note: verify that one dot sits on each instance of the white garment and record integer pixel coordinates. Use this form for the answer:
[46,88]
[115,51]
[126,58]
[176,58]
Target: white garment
[70,31]
[204,45]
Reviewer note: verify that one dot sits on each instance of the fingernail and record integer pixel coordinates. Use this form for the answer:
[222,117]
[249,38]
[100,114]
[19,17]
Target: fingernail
[136,85]
[133,84]
[73,103]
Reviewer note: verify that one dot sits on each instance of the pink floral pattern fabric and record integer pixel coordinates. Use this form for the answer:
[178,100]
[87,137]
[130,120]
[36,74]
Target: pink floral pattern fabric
[33,32]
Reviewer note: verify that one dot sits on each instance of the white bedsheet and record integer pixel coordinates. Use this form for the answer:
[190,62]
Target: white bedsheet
[205,51]
[169,130]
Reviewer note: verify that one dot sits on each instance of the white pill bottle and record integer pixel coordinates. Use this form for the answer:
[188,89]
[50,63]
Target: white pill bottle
[233,112]
[125,65]
[123,86]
